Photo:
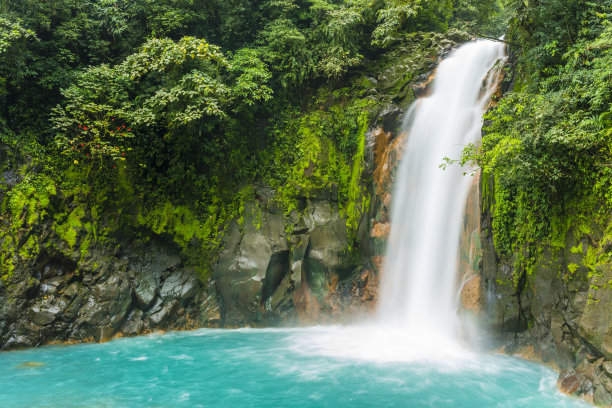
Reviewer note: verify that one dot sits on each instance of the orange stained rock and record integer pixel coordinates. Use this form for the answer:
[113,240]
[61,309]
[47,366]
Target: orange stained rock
[380,230]
[378,262]
[471,298]
[387,154]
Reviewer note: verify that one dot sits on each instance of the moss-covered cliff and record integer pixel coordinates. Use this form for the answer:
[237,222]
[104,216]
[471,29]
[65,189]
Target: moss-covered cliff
[546,271]
[83,258]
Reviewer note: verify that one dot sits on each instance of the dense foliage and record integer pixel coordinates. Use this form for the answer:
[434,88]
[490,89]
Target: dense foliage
[193,80]
[548,144]
[176,108]
[165,109]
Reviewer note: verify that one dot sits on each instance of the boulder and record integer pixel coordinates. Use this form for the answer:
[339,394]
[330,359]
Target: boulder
[602,398]
[106,292]
[160,313]
[43,317]
[327,249]
[134,323]
[145,290]
[180,285]
[607,367]
[240,273]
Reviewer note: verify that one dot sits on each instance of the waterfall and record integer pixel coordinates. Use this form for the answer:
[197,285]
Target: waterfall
[417,314]
[419,278]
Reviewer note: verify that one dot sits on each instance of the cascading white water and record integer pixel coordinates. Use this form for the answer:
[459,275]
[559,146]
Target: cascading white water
[419,280]
[417,316]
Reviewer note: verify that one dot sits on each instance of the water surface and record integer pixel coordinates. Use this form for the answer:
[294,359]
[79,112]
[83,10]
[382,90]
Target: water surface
[264,368]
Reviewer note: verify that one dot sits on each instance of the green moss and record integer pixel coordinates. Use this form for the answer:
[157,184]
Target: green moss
[197,237]
[328,151]
[7,256]
[25,206]
[27,202]
[356,204]
[69,229]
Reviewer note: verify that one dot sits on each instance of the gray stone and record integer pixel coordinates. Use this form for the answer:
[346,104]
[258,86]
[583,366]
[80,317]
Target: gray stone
[158,258]
[587,370]
[74,308]
[119,308]
[179,285]
[319,212]
[297,273]
[240,272]
[606,343]
[134,323]
[282,299]
[299,245]
[595,325]
[328,245]
[145,290]
[565,355]
[210,311]
[608,384]
[92,311]
[160,315]
[556,326]
[106,292]
[602,398]
[607,367]
[273,228]
[71,291]
[42,317]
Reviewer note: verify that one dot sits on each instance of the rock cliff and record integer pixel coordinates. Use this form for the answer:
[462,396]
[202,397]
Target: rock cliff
[557,314]
[87,264]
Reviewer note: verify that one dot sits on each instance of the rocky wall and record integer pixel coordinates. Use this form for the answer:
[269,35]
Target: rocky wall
[561,313]
[272,267]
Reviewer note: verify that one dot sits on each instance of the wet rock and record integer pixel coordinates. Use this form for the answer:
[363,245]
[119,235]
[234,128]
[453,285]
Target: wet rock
[43,317]
[240,272]
[327,248]
[608,384]
[471,298]
[145,290]
[282,300]
[102,333]
[299,246]
[19,341]
[106,292]
[134,323]
[277,269]
[210,311]
[587,370]
[607,367]
[556,326]
[161,313]
[120,307]
[319,213]
[92,311]
[565,356]
[602,398]
[568,382]
[71,291]
[180,285]
[595,324]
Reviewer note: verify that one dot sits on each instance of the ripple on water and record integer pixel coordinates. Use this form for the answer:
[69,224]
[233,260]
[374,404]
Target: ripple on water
[266,368]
